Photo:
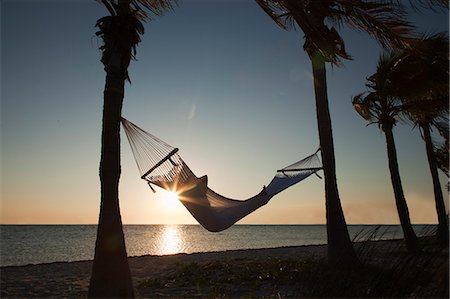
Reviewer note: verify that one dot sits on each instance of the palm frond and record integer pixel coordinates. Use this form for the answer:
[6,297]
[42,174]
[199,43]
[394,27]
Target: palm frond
[424,4]
[109,6]
[412,84]
[386,23]
[443,127]
[121,31]
[150,8]
[442,157]
[425,74]
[441,148]
[381,102]
[369,107]
[275,10]
[143,9]
[384,80]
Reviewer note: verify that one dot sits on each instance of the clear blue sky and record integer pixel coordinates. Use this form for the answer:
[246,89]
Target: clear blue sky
[219,80]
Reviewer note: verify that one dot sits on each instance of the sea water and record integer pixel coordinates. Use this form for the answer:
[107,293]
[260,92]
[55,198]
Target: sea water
[35,244]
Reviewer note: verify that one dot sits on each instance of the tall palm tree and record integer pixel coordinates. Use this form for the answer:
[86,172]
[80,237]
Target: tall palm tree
[121,32]
[426,125]
[421,81]
[442,156]
[380,107]
[383,21]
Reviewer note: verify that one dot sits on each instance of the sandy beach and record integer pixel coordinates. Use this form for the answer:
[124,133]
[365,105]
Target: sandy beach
[71,279]
[172,276]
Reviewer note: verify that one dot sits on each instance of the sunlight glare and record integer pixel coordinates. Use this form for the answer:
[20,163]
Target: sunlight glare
[171,241]
[171,197]
[169,200]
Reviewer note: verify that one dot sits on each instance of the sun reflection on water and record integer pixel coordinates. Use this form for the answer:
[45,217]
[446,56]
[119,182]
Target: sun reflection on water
[171,240]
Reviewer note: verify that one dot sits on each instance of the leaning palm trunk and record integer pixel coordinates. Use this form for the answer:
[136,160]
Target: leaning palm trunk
[402,207]
[439,199]
[340,248]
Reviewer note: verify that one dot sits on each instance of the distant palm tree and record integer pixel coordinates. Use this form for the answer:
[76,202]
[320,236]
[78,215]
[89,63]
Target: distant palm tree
[442,156]
[421,81]
[121,32]
[426,126]
[380,19]
[380,107]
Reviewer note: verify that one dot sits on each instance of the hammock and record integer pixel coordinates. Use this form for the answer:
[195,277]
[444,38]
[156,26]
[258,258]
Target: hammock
[161,165]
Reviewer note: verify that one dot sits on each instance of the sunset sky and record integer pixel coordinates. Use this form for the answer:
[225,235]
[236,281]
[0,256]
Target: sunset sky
[219,80]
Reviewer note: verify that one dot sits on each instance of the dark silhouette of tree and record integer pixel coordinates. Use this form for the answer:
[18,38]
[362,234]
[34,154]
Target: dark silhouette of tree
[380,107]
[421,80]
[442,157]
[318,20]
[442,153]
[120,32]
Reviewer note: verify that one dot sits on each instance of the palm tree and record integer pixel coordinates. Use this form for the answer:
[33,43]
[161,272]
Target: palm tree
[379,106]
[383,21]
[422,83]
[426,124]
[121,32]
[442,156]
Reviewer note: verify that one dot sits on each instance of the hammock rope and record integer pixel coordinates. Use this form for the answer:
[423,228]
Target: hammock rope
[160,164]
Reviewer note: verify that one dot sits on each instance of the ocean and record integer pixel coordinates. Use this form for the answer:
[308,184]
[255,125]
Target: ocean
[35,244]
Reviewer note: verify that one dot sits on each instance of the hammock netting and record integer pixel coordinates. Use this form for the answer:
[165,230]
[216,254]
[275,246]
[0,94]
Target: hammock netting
[161,165]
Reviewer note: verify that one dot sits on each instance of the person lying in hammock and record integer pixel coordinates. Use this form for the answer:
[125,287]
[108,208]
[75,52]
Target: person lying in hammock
[195,188]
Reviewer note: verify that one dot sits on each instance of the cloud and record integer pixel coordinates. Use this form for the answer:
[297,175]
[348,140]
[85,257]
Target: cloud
[192,112]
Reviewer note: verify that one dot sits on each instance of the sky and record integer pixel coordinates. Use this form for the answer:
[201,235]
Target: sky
[217,79]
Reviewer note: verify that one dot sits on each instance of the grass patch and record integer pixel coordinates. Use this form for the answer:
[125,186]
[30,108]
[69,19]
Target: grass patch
[390,272]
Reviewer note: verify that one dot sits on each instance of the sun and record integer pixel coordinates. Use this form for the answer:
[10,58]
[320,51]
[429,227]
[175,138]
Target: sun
[172,195]
[170,198]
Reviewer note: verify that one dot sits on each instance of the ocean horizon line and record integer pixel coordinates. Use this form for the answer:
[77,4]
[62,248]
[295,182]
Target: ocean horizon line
[74,242]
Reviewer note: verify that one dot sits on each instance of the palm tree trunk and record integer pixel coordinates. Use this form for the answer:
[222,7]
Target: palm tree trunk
[111,277]
[110,272]
[402,207]
[439,199]
[340,248]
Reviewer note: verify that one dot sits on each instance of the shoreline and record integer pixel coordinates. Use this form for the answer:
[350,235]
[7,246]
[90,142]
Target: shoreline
[19,244]
[71,279]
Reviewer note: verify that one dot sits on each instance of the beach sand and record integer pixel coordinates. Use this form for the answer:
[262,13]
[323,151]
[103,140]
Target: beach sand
[174,275]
